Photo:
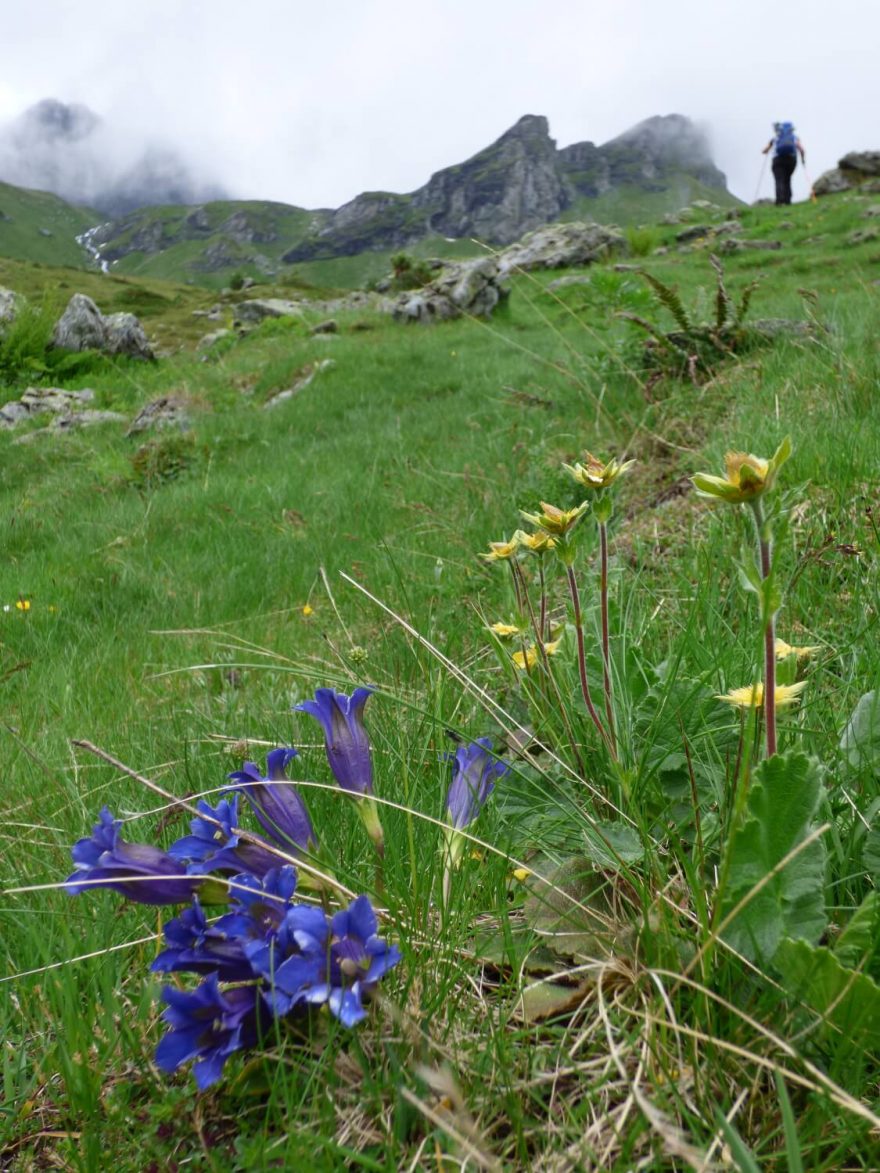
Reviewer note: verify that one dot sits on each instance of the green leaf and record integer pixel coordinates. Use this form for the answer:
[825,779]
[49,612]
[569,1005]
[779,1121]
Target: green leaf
[611,845]
[860,740]
[780,808]
[542,1000]
[792,1143]
[848,1001]
[871,853]
[858,946]
[742,1154]
[577,912]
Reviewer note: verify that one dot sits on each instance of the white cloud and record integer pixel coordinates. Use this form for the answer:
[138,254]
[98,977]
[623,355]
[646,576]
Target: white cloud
[311,104]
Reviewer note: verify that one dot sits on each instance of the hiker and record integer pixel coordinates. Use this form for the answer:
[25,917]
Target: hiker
[788,147]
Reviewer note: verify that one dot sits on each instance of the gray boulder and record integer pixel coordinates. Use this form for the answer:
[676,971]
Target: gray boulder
[872,211]
[862,236]
[251,313]
[831,182]
[125,335]
[695,232]
[9,303]
[71,422]
[561,245]
[471,287]
[39,400]
[865,163]
[166,412]
[304,376]
[81,326]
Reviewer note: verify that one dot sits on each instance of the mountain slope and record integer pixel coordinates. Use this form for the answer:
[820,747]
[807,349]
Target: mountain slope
[37,226]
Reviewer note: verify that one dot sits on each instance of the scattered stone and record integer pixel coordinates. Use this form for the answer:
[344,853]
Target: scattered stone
[9,304]
[125,335]
[626,268]
[565,282]
[208,340]
[735,245]
[72,422]
[864,163]
[661,251]
[471,287]
[817,239]
[831,182]
[330,326]
[166,412]
[870,213]
[36,400]
[558,245]
[304,377]
[46,232]
[862,236]
[784,225]
[670,218]
[248,283]
[251,313]
[81,326]
[733,214]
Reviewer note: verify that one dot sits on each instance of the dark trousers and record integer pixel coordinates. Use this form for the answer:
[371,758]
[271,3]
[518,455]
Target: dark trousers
[783,169]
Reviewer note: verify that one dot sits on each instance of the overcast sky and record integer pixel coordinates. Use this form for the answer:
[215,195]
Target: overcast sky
[311,103]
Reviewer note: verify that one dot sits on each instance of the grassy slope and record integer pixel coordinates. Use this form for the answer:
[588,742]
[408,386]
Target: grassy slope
[23,213]
[396,466]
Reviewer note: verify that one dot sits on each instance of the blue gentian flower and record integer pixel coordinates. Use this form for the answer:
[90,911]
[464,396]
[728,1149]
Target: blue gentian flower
[216,846]
[473,780]
[345,738]
[195,946]
[208,1025]
[140,871]
[276,802]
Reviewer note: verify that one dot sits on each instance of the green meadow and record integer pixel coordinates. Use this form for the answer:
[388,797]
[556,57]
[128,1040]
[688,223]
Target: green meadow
[662,957]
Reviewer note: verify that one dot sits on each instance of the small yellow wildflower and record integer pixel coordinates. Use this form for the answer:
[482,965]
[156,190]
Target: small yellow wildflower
[23,605]
[307,611]
[554,520]
[504,630]
[746,476]
[784,650]
[501,551]
[752,696]
[529,658]
[593,474]
[538,542]
[521,874]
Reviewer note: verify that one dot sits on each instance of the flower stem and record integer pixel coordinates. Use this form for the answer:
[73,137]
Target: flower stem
[606,642]
[582,658]
[769,620]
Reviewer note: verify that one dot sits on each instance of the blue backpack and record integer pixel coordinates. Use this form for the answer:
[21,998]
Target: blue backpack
[785,139]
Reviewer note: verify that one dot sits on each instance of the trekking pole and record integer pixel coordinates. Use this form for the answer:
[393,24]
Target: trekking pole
[760,178]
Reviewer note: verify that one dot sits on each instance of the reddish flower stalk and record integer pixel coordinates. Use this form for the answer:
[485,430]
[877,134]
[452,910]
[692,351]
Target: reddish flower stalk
[582,659]
[606,641]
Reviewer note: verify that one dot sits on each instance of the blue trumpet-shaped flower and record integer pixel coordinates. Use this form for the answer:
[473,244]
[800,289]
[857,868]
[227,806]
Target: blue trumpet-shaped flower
[276,802]
[140,871]
[196,946]
[208,1025]
[473,780]
[345,738]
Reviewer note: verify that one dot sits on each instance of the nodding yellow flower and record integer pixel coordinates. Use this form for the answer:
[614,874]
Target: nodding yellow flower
[752,696]
[554,520]
[521,874]
[501,551]
[307,611]
[784,650]
[538,542]
[593,474]
[23,605]
[746,476]
[529,658]
[505,630]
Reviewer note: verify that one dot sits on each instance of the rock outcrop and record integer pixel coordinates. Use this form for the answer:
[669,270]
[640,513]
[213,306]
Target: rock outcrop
[472,288]
[858,169]
[560,245]
[82,326]
[68,409]
[8,308]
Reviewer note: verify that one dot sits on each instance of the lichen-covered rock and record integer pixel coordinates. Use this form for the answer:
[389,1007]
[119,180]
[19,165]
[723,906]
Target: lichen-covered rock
[125,335]
[81,326]
[9,305]
[864,163]
[166,412]
[863,236]
[831,182]
[561,245]
[251,313]
[472,287]
[39,400]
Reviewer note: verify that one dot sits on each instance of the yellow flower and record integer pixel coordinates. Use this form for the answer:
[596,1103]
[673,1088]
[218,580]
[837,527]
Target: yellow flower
[538,542]
[746,476]
[593,474]
[556,521]
[504,630]
[752,696]
[521,874]
[784,650]
[307,611]
[529,658]
[501,551]
[23,605]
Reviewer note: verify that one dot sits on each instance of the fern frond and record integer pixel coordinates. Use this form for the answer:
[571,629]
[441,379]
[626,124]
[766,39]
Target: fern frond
[668,297]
